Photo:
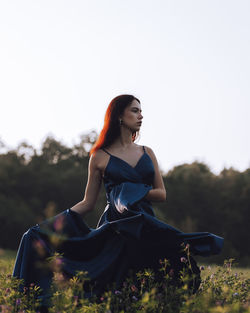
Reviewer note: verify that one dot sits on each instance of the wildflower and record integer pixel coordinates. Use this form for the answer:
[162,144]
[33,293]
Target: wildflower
[7,290]
[209,267]
[202,268]
[236,275]
[143,281]
[25,289]
[58,261]
[134,298]
[117,292]
[183,260]
[18,301]
[101,298]
[5,308]
[134,288]
[40,247]
[59,277]
[235,294]
[32,285]
[75,299]
[171,272]
[212,276]
[58,224]
[187,246]
[219,302]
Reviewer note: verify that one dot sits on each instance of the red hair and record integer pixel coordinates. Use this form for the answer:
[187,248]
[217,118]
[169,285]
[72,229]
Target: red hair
[111,127]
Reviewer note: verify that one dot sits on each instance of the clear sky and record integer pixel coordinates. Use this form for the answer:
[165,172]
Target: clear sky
[62,62]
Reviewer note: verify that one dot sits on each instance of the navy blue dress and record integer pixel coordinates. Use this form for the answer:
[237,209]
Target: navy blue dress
[128,236]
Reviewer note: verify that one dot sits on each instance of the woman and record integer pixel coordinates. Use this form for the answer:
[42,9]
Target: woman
[122,123]
[128,237]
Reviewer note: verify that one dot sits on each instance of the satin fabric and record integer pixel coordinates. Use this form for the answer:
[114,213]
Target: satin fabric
[128,236]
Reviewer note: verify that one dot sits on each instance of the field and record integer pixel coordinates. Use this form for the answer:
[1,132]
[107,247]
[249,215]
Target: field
[224,289]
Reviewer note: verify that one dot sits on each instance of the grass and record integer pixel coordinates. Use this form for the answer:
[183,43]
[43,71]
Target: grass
[245,271]
[224,289]
[9,255]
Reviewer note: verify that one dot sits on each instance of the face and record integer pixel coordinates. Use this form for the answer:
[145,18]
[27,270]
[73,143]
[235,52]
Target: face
[132,117]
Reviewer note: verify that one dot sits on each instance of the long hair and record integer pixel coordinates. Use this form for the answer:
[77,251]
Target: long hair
[111,128]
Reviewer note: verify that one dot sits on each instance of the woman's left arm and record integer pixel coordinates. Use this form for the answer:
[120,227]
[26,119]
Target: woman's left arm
[158,193]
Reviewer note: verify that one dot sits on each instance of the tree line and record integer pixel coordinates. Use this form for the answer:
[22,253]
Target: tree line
[34,186]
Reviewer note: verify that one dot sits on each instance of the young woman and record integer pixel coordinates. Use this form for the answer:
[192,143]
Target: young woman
[123,120]
[128,236]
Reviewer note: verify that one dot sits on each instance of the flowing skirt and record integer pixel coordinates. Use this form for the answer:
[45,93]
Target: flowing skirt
[108,253]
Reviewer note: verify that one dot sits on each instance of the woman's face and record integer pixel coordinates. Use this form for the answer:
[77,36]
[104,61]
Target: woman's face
[132,117]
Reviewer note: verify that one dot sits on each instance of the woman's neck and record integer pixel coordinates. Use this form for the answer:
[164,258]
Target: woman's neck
[125,139]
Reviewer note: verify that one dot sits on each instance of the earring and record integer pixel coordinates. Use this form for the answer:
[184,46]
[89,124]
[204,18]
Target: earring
[120,121]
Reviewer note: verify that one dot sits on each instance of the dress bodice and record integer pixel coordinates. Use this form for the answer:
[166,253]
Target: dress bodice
[126,186]
[119,171]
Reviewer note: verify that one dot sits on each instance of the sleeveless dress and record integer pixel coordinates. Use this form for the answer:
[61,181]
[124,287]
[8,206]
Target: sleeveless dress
[128,236]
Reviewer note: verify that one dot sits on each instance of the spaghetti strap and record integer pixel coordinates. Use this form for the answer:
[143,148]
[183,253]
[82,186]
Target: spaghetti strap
[106,151]
[144,149]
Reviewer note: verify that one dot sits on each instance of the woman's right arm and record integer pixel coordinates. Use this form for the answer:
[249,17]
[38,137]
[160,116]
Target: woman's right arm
[92,188]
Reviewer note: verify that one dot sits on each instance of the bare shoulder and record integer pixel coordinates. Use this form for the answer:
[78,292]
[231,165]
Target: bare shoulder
[99,159]
[150,152]
[98,155]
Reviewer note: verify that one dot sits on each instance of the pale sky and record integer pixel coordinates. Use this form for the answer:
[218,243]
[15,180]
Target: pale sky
[62,62]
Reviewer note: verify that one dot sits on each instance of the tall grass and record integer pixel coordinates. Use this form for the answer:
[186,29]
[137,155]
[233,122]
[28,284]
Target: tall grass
[224,289]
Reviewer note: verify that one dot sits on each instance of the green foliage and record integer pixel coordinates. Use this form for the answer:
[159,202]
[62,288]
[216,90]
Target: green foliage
[221,290]
[35,186]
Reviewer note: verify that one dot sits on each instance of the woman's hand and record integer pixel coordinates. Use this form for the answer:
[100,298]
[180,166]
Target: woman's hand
[158,193]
